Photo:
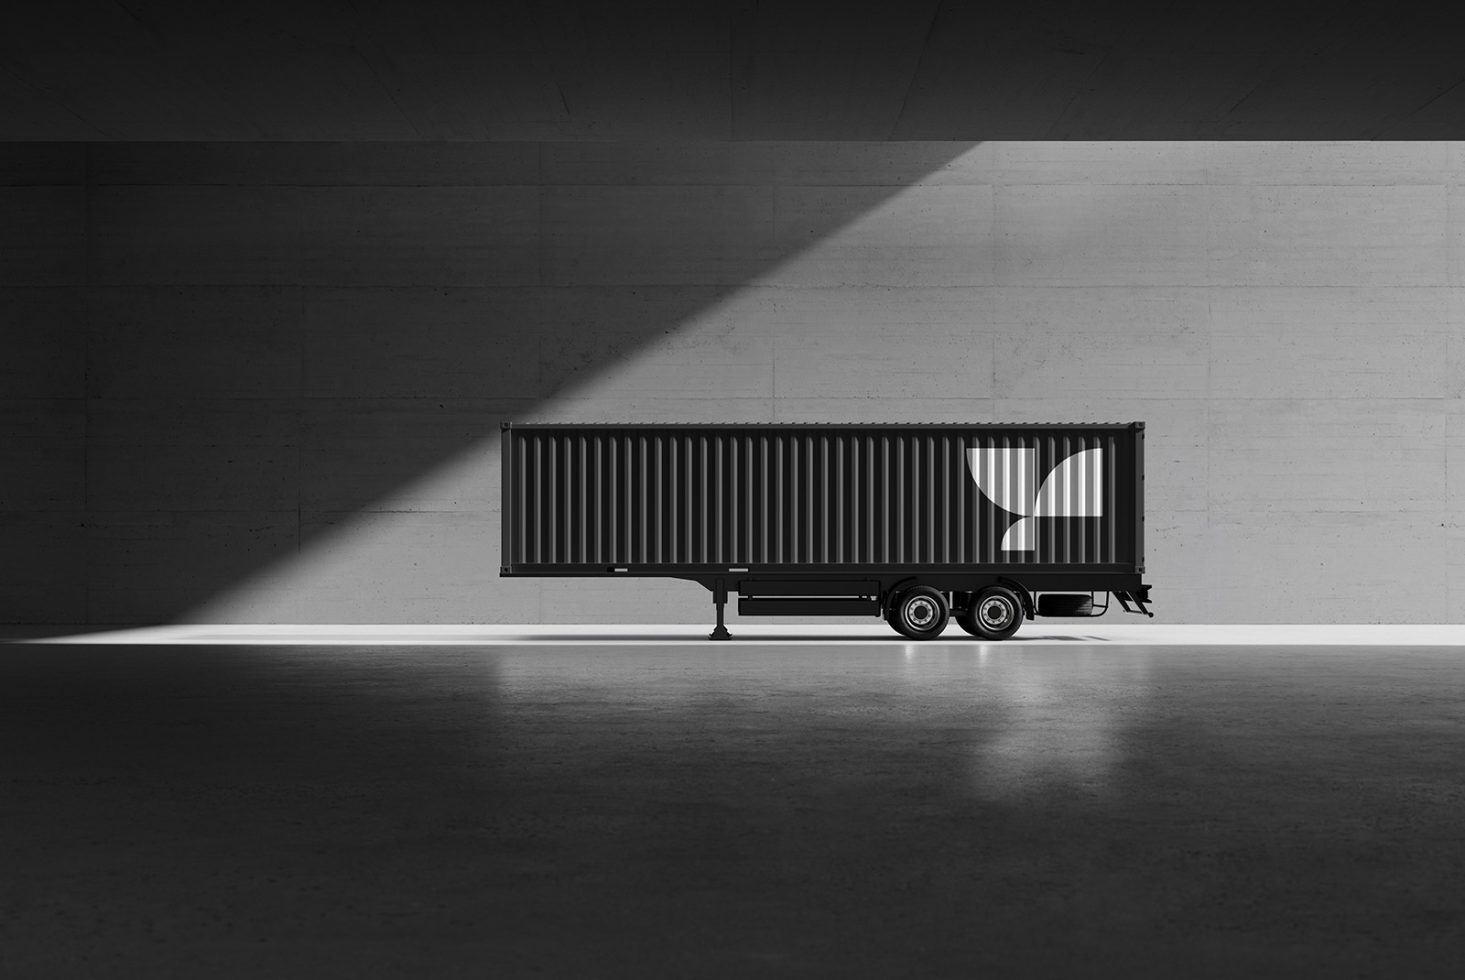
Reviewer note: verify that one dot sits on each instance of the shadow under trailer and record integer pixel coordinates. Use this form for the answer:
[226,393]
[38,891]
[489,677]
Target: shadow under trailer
[915,523]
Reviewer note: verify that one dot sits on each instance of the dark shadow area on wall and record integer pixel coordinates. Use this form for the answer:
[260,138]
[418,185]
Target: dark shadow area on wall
[217,353]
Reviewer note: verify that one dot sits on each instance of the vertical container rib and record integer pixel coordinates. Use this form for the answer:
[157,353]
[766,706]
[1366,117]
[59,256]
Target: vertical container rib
[540,501]
[839,493]
[689,550]
[780,497]
[908,507]
[936,518]
[521,498]
[605,446]
[718,499]
[961,518]
[765,531]
[583,501]
[898,518]
[1109,524]
[949,524]
[885,501]
[668,555]
[810,519]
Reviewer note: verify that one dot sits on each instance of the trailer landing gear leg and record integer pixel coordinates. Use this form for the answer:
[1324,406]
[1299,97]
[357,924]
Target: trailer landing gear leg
[719,599]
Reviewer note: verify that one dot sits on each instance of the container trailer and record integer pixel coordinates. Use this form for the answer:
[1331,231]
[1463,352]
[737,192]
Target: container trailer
[914,523]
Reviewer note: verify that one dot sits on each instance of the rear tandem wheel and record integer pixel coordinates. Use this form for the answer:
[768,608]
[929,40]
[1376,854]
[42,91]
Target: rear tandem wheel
[995,613]
[918,612]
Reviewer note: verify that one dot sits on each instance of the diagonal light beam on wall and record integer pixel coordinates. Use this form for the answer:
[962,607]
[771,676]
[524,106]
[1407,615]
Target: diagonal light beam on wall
[658,273]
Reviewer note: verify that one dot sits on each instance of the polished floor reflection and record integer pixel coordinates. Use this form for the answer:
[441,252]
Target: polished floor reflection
[743,809]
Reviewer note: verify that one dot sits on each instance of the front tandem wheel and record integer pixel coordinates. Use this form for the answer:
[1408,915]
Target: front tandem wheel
[919,612]
[992,614]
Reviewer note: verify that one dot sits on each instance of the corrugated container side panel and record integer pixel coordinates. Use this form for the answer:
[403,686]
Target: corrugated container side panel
[728,496]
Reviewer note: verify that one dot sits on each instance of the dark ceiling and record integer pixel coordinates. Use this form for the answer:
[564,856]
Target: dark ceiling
[692,69]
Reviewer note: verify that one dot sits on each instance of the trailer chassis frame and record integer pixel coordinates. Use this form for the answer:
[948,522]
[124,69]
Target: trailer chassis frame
[821,590]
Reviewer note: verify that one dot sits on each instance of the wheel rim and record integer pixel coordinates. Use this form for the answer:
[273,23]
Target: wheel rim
[995,613]
[920,613]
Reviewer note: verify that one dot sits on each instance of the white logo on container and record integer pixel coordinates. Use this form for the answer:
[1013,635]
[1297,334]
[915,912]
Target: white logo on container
[1009,478]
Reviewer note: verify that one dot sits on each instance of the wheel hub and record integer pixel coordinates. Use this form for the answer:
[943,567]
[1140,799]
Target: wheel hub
[995,613]
[920,613]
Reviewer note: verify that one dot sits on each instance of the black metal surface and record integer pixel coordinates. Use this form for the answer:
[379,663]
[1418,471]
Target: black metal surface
[1066,604]
[807,587]
[693,499]
[808,607]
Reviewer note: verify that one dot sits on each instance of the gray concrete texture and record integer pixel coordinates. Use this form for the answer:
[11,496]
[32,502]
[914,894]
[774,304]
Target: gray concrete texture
[263,382]
[857,807]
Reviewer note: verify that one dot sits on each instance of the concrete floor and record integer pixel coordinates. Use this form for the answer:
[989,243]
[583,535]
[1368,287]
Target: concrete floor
[870,807]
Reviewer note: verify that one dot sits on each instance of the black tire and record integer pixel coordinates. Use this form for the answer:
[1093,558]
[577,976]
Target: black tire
[968,601]
[992,614]
[919,612]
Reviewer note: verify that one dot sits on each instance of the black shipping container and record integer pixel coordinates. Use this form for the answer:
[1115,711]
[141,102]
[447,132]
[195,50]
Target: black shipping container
[808,519]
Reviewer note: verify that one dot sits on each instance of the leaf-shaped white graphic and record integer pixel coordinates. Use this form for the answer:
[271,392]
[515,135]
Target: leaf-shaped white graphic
[1007,477]
[1074,488]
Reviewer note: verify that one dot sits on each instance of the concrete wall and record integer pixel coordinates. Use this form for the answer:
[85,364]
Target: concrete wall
[263,382]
